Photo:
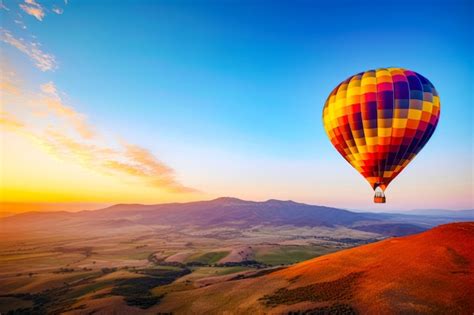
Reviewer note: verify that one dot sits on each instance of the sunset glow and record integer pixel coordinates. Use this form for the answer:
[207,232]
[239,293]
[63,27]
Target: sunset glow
[152,104]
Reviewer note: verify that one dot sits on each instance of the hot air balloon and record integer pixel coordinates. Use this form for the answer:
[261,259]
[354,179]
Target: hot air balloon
[379,120]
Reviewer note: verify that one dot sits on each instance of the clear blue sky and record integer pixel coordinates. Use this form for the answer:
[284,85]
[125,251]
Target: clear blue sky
[220,90]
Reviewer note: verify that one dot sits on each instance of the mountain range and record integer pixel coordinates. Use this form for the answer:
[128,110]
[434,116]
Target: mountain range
[230,212]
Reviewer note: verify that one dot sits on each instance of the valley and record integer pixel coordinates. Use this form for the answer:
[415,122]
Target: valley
[131,260]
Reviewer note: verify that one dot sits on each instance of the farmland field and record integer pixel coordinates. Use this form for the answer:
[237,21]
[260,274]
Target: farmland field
[133,269]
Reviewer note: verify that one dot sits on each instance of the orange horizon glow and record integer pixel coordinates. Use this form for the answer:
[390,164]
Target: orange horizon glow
[51,156]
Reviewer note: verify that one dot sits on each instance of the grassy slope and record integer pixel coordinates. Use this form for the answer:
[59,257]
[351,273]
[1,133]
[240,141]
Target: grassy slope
[289,254]
[208,258]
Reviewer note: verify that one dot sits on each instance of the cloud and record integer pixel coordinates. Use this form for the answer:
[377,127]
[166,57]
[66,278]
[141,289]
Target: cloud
[8,81]
[8,87]
[157,175]
[156,172]
[9,121]
[20,24]
[56,106]
[67,147]
[68,135]
[42,60]
[144,166]
[49,88]
[3,6]
[38,13]
[57,10]
[145,158]
[31,7]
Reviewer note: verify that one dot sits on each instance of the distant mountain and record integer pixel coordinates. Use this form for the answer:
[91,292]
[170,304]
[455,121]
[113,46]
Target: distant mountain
[427,273]
[463,214]
[221,212]
[468,214]
[392,229]
[232,211]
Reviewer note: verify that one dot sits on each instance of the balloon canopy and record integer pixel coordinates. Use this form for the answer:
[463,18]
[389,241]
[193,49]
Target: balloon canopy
[379,120]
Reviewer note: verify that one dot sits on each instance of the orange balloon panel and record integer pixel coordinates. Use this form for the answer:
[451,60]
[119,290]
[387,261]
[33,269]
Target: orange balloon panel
[379,120]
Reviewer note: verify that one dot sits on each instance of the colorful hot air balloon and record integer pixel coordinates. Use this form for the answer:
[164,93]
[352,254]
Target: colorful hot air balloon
[379,120]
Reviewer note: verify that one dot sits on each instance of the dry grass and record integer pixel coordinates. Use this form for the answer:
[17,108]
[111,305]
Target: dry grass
[337,290]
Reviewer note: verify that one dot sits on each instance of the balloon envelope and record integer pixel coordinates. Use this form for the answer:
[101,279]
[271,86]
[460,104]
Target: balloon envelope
[379,120]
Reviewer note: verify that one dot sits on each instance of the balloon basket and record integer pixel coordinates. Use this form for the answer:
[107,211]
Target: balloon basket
[379,196]
[378,199]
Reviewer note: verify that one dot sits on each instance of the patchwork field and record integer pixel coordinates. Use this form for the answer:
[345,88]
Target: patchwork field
[136,270]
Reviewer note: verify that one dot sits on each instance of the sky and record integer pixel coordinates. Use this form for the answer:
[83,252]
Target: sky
[175,101]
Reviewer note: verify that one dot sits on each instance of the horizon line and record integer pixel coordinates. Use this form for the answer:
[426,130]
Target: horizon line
[74,207]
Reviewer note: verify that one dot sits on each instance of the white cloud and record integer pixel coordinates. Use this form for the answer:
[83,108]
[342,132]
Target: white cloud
[57,10]
[31,7]
[49,88]
[42,60]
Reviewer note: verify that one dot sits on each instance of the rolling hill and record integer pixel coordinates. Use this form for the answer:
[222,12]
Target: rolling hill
[427,273]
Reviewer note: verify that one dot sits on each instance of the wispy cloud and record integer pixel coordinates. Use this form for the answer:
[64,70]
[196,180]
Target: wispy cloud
[156,172]
[142,164]
[42,60]
[21,24]
[77,120]
[69,136]
[33,8]
[145,158]
[38,13]
[9,121]
[54,103]
[3,6]
[49,88]
[68,147]
[57,10]
[8,82]
[8,87]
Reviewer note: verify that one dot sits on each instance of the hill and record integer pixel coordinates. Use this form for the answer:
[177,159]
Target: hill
[427,273]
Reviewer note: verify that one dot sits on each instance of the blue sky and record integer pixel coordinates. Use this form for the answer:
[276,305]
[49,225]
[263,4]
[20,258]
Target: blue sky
[230,94]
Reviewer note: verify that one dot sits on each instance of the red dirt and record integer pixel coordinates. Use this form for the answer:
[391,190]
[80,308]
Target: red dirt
[431,272]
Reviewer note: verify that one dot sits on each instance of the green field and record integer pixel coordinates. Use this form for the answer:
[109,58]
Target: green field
[208,258]
[217,271]
[285,255]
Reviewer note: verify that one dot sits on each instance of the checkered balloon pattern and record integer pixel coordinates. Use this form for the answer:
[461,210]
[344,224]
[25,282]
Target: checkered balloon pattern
[379,120]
